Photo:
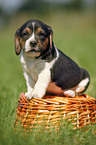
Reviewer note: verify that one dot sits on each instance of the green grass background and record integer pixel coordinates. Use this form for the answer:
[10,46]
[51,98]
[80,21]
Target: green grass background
[75,35]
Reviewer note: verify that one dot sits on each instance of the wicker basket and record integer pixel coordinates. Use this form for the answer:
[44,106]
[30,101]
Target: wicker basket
[80,110]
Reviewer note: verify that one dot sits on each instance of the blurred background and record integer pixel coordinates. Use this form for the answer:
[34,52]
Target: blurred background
[74,26]
[41,8]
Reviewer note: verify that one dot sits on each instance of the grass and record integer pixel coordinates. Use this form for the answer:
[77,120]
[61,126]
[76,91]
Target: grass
[75,35]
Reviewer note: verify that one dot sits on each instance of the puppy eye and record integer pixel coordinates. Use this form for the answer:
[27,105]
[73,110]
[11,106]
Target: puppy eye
[42,36]
[25,34]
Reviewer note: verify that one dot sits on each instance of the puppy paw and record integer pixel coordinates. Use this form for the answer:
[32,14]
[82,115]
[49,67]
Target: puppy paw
[69,93]
[34,93]
[28,94]
[37,94]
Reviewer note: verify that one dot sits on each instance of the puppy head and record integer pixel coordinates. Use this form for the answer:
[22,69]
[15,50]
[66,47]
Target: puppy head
[34,37]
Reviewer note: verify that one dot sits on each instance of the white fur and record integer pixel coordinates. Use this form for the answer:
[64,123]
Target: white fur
[32,38]
[37,74]
[69,93]
[81,86]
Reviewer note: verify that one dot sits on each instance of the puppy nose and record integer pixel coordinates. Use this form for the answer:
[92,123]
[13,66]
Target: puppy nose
[33,43]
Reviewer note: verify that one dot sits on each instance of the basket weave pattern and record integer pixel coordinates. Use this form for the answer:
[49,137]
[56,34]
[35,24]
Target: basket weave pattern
[81,110]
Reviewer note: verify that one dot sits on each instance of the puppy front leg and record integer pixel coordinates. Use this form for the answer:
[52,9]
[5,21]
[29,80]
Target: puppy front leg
[30,84]
[41,84]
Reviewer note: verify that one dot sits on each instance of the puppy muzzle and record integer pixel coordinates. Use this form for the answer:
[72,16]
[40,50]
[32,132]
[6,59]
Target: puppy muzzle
[33,49]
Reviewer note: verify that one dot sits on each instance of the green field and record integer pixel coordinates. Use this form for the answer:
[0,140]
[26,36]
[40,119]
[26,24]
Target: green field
[75,35]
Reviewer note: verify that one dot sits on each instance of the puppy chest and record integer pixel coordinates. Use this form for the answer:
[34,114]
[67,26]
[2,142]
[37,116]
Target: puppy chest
[32,70]
[33,67]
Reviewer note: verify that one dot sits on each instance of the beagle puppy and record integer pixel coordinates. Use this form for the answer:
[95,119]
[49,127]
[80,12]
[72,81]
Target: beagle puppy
[47,69]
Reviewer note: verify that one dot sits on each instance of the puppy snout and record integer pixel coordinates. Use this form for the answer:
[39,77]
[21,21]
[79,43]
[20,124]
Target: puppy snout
[33,43]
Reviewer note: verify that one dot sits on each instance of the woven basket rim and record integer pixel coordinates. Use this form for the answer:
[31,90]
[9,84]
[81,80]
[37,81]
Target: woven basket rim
[81,110]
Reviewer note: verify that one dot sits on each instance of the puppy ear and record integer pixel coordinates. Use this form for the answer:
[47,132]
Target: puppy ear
[51,36]
[17,42]
[51,39]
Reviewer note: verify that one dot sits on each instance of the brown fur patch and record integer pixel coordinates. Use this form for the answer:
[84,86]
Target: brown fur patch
[22,43]
[39,30]
[45,43]
[17,44]
[28,30]
[52,88]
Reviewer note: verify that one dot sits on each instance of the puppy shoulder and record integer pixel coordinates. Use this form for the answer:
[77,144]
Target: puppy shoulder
[54,59]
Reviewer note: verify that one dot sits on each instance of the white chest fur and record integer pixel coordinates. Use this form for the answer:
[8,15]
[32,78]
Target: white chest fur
[31,65]
[35,66]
